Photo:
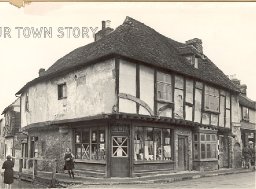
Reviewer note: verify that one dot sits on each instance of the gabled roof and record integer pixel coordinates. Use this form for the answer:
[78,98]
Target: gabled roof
[16,103]
[136,41]
[246,102]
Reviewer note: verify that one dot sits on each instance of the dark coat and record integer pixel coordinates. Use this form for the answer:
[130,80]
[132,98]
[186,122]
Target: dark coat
[8,172]
[69,161]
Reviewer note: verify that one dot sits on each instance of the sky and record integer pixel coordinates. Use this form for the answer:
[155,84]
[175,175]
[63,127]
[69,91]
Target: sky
[227,30]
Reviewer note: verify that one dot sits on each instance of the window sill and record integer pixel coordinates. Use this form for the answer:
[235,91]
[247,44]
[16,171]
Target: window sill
[210,111]
[210,159]
[165,101]
[152,162]
[62,98]
[90,161]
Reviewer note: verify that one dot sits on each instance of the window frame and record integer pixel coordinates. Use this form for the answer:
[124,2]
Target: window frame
[27,102]
[159,156]
[204,142]
[245,118]
[89,144]
[62,91]
[166,85]
[210,97]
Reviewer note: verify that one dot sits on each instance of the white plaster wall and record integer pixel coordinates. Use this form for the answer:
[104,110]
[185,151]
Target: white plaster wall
[9,146]
[235,109]
[147,88]
[198,105]
[252,116]
[90,91]
[127,84]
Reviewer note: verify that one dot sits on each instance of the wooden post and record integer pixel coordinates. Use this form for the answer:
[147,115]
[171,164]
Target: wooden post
[54,169]
[33,176]
[20,167]
[35,167]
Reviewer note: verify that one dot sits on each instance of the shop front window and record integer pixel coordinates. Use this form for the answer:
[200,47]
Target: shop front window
[152,144]
[90,144]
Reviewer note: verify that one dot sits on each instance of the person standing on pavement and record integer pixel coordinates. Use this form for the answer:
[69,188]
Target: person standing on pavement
[247,156]
[8,172]
[69,162]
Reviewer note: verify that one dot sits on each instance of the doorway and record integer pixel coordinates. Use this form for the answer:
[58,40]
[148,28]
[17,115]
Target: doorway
[183,153]
[120,166]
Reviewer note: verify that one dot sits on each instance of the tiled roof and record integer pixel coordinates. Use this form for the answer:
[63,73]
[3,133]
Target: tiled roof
[136,41]
[246,102]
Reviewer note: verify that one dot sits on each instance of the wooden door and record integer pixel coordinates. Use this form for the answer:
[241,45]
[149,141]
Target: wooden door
[223,152]
[182,153]
[120,166]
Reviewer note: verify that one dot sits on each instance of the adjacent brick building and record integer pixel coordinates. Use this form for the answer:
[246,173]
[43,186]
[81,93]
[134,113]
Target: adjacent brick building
[132,103]
[10,128]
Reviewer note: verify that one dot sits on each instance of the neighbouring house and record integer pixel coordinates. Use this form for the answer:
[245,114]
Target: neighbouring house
[133,102]
[2,146]
[11,128]
[247,117]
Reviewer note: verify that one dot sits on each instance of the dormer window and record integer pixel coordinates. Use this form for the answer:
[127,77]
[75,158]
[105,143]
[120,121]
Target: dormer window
[193,60]
[196,63]
[190,59]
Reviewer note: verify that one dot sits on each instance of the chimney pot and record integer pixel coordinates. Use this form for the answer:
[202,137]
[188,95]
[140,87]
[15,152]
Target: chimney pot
[104,31]
[41,72]
[103,25]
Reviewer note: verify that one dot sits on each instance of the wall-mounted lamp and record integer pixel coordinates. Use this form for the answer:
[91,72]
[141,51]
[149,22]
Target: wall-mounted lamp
[63,130]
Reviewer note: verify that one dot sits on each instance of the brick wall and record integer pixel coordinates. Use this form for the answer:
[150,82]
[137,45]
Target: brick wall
[205,165]
[51,145]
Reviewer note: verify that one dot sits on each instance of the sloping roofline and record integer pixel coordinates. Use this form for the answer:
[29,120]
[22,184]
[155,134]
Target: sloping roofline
[138,42]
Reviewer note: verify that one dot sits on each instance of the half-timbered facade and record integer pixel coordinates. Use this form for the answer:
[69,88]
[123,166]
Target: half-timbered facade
[131,103]
[10,127]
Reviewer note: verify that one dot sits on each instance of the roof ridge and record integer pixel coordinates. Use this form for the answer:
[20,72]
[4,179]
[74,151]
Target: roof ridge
[137,41]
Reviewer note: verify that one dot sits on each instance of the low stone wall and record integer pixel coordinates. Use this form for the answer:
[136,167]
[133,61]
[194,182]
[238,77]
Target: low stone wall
[205,165]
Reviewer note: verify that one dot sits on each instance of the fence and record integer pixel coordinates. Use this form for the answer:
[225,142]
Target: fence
[30,166]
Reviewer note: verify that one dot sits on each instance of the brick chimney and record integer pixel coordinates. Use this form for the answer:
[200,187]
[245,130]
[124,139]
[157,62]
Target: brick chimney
[243,89]
[197,43]
[41,72]
[106,29]
[236,81]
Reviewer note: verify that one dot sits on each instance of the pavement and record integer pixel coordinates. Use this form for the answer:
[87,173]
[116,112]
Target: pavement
[63,180]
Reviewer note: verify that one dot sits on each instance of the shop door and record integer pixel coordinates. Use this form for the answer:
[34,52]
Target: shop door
[120,166]
[182,153]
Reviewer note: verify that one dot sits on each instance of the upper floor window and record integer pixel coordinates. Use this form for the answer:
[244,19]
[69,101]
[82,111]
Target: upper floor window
[164,87]
[62,91]
[211,99]
[26,102]
[245,114]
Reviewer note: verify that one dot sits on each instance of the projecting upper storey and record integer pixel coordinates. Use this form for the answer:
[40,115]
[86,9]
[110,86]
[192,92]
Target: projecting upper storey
[136,41]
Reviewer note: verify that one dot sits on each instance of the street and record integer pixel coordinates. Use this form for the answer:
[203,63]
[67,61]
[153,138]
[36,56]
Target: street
[22,184]
[242,180]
